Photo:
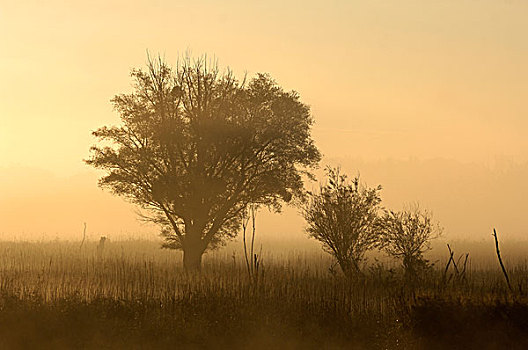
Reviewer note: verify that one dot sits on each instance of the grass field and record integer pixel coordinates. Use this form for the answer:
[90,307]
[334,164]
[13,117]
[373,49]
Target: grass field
[55,295]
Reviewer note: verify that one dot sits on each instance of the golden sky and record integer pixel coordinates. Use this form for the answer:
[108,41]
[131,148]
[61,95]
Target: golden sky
[406,79]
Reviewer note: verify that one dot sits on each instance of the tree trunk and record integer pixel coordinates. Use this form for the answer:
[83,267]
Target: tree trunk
[192,257]
[349,267]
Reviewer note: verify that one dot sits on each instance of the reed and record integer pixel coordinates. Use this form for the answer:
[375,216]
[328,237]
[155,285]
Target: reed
[137,295]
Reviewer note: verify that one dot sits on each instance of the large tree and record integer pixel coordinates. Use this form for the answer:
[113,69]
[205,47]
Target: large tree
[196,146]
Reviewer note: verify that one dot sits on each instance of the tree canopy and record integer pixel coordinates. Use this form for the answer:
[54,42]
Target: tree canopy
[196,146]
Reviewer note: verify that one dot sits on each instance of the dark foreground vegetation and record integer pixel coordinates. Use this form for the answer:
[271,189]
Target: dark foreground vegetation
[132,295]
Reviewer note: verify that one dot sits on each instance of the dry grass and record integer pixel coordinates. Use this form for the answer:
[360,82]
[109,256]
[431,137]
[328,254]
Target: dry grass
[135,295]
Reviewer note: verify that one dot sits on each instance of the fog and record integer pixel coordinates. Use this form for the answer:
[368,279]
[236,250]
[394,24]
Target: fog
[216,106]
[426,99]
[468,199]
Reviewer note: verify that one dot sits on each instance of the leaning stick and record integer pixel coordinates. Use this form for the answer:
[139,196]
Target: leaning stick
[500,260]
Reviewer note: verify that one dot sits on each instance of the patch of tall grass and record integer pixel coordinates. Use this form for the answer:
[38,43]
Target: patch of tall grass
[135,293]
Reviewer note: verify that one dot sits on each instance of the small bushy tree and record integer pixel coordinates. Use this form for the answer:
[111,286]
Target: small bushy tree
[342,216]
[406,236]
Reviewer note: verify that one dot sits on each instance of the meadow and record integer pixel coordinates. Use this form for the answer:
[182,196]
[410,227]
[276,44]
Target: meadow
[132,294]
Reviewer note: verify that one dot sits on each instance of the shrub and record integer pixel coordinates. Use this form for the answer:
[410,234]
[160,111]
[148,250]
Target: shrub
[406,236]
[342,217]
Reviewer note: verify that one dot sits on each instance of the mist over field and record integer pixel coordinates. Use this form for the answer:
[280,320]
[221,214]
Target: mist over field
[443,84]
[143,143]
[468,199]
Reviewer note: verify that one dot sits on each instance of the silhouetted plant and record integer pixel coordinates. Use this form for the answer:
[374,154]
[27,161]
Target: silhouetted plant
[196,147]
[406,236]
[500,261]
[342,216]
[459,268]
[253,260]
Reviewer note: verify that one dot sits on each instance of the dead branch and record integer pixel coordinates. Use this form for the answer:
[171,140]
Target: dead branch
[500,260]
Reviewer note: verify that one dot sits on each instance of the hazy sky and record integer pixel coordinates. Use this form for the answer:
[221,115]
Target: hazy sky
[385,79]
